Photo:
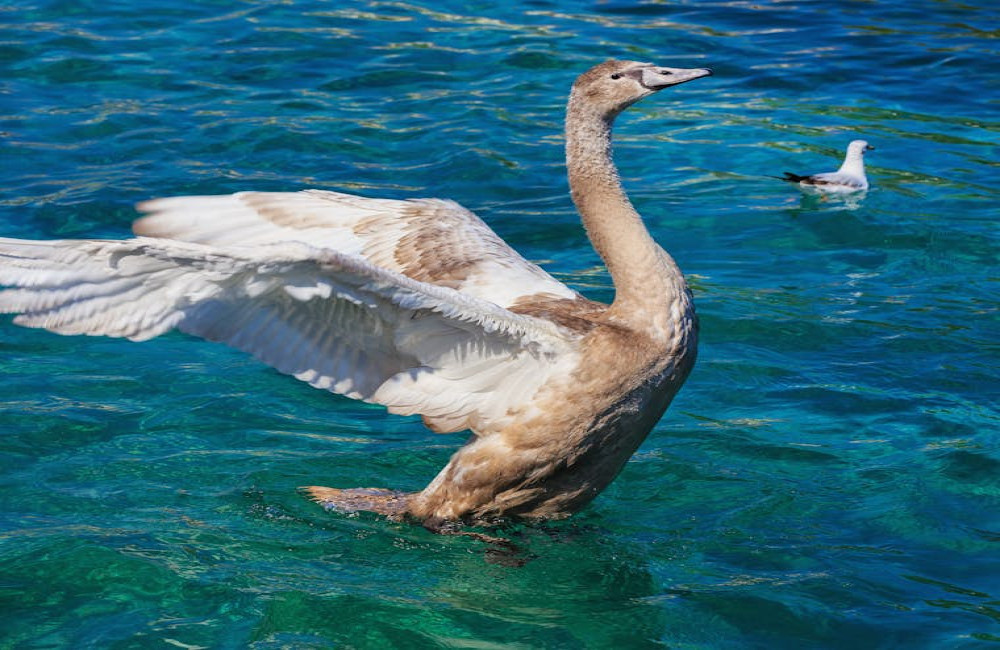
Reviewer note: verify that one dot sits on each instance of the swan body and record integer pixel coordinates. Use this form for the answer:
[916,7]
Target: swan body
[849,178]
[416,305]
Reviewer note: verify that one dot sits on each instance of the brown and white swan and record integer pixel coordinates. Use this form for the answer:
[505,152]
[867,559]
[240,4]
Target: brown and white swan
[416,305]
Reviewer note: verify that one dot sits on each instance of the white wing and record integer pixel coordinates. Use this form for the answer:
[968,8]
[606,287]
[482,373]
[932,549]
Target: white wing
[430,240]
[837,180]
[333,320]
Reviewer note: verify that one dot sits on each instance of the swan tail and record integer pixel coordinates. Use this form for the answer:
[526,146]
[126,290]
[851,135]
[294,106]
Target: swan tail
[380,501]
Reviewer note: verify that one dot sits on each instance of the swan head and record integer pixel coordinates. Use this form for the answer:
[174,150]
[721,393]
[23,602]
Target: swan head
[613,86]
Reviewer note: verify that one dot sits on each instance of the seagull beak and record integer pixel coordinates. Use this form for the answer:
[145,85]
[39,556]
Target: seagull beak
[655,78]
[869,148]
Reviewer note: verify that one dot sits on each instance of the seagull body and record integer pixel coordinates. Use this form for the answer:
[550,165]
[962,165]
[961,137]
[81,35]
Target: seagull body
[416,305]
[849,178]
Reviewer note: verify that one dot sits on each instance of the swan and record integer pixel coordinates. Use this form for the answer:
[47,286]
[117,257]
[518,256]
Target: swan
[416,305]
[849,178]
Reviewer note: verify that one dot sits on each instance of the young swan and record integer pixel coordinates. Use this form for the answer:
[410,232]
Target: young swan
[849,178]
[416,305]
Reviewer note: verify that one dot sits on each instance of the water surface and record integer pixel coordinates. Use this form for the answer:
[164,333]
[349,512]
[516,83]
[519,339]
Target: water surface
[828,478]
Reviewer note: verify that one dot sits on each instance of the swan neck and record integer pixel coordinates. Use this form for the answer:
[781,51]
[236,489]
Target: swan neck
[645,277]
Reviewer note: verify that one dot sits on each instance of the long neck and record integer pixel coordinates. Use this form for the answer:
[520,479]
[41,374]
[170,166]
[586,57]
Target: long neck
[648,284]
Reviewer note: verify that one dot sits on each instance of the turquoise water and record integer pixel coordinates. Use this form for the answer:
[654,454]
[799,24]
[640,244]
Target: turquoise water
[829,477]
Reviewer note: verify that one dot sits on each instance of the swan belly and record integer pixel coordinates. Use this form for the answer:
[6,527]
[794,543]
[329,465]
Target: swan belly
[562,452]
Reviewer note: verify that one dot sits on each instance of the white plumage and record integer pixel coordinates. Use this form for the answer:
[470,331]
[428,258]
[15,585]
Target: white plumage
[850,177]
[333,320]
[397,235]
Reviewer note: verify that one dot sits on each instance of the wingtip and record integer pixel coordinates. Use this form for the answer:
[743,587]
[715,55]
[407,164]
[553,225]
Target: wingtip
[377,500]
[147,206]
[316,493]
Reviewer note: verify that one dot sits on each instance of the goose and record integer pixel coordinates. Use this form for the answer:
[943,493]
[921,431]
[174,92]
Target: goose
[416,305]
[849,178]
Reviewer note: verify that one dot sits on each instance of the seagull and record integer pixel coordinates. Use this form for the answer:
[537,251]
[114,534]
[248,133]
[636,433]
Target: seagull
[849,178]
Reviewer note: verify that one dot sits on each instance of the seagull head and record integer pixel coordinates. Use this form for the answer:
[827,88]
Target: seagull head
[859,147]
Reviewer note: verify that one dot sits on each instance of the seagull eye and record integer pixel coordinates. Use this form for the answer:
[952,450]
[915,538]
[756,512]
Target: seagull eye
[616,75]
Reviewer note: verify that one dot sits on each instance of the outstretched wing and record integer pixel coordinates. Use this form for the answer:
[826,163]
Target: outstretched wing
[430,240]
[332,320]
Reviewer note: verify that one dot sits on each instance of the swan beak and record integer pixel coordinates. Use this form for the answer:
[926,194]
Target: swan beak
[656,78]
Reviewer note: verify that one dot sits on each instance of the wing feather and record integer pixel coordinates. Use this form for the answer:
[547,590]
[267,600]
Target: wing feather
[431,240]
[332,320]
[827,179]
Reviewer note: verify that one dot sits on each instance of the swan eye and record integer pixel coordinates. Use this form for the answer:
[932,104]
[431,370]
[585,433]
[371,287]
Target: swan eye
[616,75]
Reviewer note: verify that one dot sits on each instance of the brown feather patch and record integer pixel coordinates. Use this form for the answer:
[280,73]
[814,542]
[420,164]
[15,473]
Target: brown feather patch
[576,314]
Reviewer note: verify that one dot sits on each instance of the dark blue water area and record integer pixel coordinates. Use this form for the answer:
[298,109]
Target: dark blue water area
[829,476]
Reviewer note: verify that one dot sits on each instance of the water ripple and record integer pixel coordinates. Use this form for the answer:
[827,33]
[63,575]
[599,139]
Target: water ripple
[825,478]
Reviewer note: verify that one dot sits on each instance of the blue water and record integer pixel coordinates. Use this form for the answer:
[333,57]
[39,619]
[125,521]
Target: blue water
[829,477]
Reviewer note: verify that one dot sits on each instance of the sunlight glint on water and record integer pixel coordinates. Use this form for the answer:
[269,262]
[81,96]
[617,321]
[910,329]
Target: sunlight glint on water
[827,478]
